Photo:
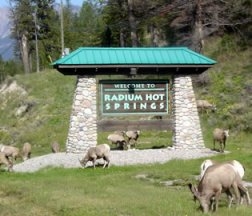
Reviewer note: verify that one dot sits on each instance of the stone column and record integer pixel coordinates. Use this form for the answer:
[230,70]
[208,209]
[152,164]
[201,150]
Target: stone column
[186,123]
[83,121]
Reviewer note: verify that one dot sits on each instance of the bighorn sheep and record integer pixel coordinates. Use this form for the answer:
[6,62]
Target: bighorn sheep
[239,168]
[26,151]
[10,151]
[220,135]
[5,161]
[217,179]
[97,152]
[117,139]
[55,147]
[204,105]
[132,136]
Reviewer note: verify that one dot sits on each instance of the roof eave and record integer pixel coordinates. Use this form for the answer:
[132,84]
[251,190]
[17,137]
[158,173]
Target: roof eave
[126,69]
[70,66]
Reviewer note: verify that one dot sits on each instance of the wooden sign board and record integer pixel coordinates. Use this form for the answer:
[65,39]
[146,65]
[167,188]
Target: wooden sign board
[134,97]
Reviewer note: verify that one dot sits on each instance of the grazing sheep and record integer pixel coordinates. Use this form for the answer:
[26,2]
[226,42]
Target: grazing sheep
[119,132]
[55,147]
[132,136]
[26,151]
[5,161]
[10,151]
[117,139]
[239,168]
[204,105]
[97,152]
[217,179]
[220,135]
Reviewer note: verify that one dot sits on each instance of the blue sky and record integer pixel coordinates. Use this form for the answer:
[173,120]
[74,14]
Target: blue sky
[4,3]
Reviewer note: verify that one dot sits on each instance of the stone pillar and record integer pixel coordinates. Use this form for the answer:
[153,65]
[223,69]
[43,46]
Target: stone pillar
[186,123]
[83,121]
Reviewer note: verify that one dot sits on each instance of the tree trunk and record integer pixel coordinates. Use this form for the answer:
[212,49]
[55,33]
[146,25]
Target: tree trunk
[25,54]
[132,23]
[154,36]
[198,32]
[122,38]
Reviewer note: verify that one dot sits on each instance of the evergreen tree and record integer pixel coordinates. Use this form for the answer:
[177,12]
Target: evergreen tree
[22,30]
[89,25]
[35,26]
[48,31]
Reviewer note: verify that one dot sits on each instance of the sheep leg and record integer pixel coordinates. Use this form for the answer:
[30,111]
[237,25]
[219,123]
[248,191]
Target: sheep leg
[217,197]
[94,160]
[212,203]
[120,145]
[244,192]
[134,143]
[125,145]
[237,192]
[106,161]
[230,198]
[221,147]
[10,168]
[224,145]
[9,158]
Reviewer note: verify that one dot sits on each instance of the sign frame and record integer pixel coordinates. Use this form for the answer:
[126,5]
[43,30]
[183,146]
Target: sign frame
[128,88]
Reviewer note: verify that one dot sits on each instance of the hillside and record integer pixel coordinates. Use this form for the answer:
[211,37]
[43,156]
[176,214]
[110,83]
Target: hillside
[39,111]
[228,85]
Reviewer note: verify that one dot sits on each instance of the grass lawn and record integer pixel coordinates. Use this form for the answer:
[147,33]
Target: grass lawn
[129,190]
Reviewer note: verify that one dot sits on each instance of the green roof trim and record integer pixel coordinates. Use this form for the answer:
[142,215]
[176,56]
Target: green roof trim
[134,56]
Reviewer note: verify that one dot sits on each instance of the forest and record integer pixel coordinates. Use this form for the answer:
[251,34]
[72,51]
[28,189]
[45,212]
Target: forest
[43,29]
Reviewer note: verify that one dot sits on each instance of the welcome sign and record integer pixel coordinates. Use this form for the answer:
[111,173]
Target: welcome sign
[134,97]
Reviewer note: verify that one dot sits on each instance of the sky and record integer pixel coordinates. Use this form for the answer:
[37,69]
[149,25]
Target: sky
[5,3]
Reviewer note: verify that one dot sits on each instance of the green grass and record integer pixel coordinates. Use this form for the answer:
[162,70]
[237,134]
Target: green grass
[114,191]
[51,94]
[118,190]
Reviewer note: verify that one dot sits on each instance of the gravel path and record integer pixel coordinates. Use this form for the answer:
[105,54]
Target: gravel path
[118,158]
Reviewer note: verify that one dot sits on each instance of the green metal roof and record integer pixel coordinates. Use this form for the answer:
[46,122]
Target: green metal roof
[152,60]
[134,56]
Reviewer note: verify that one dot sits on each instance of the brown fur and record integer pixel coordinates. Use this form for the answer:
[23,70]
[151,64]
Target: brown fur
[10,152]
[117,139]
[220,135]
[217,179]
[132,137]
[55,147]
[204,105]
[238,167]
[97,152]
[6,162]
[26,151]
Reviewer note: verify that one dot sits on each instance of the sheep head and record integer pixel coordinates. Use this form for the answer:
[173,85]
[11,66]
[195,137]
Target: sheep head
[226,133]
[83,162]
[204,201]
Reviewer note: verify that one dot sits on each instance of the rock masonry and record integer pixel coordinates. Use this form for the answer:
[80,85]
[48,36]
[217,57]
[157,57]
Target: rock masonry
[83,122]
[186,123]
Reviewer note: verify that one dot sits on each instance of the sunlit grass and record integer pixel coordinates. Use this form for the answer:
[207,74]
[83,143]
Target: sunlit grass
[113,191]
